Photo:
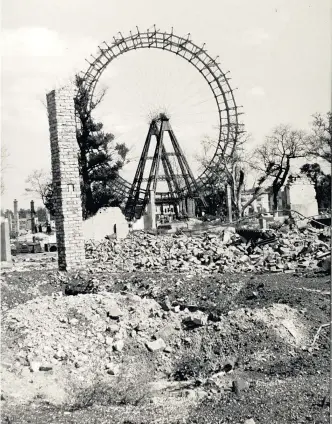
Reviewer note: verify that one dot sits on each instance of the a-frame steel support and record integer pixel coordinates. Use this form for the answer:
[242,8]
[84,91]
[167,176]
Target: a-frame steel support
[138,198]
[133,205]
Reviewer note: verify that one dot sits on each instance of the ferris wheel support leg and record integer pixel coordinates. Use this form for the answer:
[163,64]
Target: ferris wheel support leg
[152,210]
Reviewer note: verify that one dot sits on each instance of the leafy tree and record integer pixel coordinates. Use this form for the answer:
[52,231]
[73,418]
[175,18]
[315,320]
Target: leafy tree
[99,159]
[274,156]
[319,145]
[322,184]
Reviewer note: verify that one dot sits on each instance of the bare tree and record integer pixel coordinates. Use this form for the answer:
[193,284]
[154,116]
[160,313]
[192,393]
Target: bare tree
[273,157]
[38,183]
[232,166]
[319,145]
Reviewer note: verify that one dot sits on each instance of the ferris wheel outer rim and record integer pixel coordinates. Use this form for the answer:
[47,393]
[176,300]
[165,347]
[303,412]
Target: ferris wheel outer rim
[150,40]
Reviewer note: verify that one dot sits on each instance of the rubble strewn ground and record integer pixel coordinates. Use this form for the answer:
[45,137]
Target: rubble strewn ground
[208,252]
[176,345]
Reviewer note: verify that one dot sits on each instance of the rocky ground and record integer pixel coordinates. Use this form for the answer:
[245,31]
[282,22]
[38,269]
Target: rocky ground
[221,250]
[164,345]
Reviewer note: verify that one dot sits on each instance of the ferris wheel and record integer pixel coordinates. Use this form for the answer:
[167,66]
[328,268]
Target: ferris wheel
[226,110]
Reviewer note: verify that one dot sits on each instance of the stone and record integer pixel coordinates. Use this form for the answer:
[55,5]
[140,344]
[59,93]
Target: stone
[23,360]
[100,337]
[118,345]
[133,297]
[114,312]
[249,421]
[190,394]
[34,366]
[239,386]
[303,224]
[59,355]
[289,266]
[112,369]
[113,328]
[109,350]
[166,304]
[155,345]
[142,326]
[45,368]
[227,235]
[198,320]
[201,394]
[119,335]
[109,341]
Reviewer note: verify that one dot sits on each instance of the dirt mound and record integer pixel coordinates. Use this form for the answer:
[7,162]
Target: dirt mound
[208,348]
[56,346]
[85,335]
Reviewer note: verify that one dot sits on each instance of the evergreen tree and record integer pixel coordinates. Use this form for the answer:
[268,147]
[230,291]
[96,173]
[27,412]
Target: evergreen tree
[322,184]
[99,159]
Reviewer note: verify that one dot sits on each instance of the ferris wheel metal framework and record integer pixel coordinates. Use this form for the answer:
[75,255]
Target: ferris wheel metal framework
[218,81]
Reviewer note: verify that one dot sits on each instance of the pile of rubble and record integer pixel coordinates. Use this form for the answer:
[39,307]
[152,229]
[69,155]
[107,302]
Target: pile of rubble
[60,329]
[284,250]
[55,340]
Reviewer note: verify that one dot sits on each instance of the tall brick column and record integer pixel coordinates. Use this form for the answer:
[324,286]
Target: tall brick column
[67,193]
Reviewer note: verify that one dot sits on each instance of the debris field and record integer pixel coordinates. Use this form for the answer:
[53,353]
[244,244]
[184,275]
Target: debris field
[285,251]
[222,330]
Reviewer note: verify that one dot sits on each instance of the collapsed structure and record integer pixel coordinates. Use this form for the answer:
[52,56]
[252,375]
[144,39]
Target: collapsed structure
[284,250]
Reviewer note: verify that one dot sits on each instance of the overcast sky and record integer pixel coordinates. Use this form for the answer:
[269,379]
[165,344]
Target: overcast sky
[277,51]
